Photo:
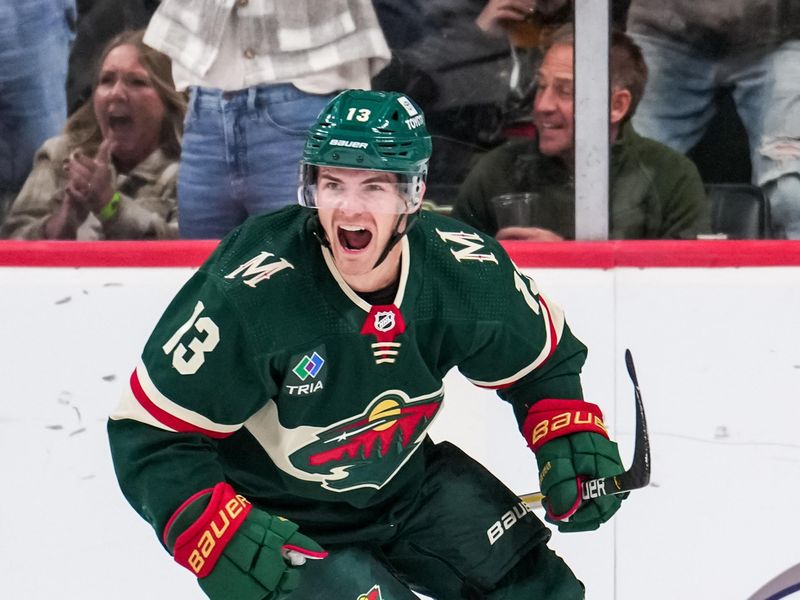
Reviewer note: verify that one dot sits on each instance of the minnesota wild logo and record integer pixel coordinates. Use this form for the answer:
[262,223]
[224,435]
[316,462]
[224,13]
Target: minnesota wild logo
[368,449]
[373,594]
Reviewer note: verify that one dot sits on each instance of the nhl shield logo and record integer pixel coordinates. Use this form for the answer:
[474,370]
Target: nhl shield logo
[384,320]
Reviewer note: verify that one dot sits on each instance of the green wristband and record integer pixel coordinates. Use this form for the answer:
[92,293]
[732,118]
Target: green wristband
[110,209]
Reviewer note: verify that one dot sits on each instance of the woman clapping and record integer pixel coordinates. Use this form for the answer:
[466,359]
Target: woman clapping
[112,173]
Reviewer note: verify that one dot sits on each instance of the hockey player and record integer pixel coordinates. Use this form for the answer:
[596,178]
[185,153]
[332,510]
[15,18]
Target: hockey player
[282,402]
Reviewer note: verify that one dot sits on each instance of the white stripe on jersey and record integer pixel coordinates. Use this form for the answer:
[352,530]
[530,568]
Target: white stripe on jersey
[553,317]
[131,408]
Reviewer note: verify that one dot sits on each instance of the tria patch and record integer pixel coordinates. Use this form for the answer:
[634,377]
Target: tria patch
[307,374]
[308,366]
[385,322]
[373,594]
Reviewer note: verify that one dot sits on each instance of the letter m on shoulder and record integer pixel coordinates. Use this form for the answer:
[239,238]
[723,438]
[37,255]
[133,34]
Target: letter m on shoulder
[258,272]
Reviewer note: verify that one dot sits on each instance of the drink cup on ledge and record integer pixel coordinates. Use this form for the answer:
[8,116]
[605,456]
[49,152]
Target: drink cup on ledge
[515,210]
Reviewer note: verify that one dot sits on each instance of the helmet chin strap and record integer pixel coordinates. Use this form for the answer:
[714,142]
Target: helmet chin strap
[315,226]
[396,236]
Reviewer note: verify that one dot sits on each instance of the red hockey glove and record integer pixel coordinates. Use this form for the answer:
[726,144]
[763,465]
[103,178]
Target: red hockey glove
[571,444]
[236,550]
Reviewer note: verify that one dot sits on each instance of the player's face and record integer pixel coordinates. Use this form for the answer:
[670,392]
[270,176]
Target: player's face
[357,209]
[554,103]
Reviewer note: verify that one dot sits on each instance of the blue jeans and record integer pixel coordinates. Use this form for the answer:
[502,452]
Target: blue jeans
[779,161]
[35,36]
[679,104]
[240,155]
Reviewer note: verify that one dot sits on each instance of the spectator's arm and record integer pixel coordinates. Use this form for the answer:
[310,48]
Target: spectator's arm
[472,203]
[549,8]
[497,13]
[491,175]
[41,196]
[686,210]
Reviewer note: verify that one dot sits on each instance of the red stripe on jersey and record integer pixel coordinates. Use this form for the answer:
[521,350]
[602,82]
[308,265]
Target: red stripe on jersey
[167,419]
[552,327]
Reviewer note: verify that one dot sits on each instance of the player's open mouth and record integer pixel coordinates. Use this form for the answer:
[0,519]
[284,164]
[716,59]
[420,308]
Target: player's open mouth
[353,238]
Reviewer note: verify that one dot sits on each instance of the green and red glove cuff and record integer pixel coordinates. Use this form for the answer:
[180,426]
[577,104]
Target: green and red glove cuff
[550,418]
[199,545]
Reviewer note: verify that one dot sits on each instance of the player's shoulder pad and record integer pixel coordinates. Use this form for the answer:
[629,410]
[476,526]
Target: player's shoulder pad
[268,248]
[460,248]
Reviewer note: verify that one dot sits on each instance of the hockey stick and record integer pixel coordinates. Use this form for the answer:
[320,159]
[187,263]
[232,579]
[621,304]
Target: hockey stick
[637,476]
[780,586]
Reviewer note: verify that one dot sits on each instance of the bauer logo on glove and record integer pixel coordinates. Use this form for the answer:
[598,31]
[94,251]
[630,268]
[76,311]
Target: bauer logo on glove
[236,550]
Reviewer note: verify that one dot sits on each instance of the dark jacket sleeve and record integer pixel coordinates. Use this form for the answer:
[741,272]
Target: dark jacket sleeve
[686,210]
[490,177]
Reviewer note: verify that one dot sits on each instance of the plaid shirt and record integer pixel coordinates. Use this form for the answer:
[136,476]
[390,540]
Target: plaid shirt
[280,40]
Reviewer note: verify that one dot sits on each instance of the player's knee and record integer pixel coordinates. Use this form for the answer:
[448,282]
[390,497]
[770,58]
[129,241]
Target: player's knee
[540,574]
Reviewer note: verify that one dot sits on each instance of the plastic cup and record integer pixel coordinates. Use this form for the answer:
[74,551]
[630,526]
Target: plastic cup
[515,210]
[524,34]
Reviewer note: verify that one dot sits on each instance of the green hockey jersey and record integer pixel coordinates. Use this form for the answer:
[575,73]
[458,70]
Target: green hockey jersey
[268,371]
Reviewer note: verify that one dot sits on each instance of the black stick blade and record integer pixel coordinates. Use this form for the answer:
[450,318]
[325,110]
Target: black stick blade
[638,475]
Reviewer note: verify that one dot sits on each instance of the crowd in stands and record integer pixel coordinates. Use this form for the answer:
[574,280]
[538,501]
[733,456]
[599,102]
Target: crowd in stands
[133,119]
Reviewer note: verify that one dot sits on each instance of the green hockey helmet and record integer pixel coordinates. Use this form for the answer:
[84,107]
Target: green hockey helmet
[374,130]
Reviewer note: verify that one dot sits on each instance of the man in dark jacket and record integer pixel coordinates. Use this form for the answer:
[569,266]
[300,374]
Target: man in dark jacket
[655,191]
